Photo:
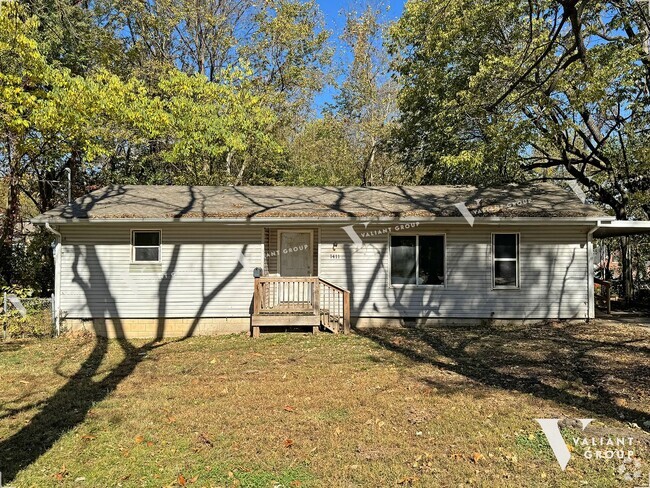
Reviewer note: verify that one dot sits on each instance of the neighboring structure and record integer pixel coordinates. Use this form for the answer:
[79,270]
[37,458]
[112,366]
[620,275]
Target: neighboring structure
[170,260]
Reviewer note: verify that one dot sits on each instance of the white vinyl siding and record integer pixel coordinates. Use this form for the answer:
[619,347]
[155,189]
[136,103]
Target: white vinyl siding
[207,271]
[201,272]
[553,274]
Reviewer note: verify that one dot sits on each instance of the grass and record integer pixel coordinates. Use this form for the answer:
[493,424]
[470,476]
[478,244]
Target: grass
[404,407]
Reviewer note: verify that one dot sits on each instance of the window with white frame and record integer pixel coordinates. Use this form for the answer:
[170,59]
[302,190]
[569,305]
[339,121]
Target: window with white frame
[417,260]
[145,246]
[505,260]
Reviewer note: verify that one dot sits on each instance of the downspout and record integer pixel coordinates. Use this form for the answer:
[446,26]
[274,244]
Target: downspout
[57,278]
[591,306]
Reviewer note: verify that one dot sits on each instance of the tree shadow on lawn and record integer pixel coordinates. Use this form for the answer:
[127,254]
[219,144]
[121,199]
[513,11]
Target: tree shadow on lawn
[597,368]
[69,406]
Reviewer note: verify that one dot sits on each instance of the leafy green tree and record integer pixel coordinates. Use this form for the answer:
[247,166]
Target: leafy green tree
[211,123]
[321,154]
[196,36]
[367,100]
[289,55]
[506,91]
[73,35]
[51,119]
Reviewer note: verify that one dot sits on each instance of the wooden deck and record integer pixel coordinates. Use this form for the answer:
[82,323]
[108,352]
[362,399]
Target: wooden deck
[300,302]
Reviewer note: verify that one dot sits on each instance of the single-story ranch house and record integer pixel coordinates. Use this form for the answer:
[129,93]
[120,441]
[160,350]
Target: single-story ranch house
[154,261]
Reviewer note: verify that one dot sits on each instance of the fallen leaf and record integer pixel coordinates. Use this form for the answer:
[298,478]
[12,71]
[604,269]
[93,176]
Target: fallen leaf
[204,439]
[149,443]
[288,443]
[476,457]
[181,480]
[61,474]
[213,361]
[138,439]
[88,437]
[289,408]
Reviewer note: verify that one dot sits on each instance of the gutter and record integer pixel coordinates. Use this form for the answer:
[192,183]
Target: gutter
[335,220]
[57,278]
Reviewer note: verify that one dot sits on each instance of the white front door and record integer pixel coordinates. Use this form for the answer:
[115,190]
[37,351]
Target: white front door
[295,253]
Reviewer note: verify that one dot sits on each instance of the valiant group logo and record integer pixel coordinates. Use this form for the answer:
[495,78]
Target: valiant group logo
[551,429]
[603,447]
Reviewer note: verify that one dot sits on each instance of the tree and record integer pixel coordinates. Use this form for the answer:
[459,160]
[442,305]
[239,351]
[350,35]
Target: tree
[51,119]
[507,91]
[367,100]
[321,154]
[210,123]
[198,36]
[289,55]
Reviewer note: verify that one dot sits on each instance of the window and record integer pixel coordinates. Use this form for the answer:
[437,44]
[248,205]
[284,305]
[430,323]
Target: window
[505,253]
[145,246]
[417,260]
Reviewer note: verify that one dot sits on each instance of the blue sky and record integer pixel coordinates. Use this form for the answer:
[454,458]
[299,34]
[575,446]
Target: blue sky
[333,11]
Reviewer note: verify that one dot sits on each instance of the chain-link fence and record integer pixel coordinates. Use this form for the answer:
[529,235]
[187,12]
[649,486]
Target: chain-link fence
[26,317]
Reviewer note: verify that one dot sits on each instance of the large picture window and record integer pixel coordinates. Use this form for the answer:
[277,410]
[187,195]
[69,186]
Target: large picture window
[417,260]
[505,253]
[145,246]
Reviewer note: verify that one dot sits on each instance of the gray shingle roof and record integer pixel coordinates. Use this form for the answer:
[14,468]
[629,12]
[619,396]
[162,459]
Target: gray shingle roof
[542,200]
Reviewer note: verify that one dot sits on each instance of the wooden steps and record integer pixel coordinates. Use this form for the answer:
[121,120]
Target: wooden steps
[300,302]
[284,320]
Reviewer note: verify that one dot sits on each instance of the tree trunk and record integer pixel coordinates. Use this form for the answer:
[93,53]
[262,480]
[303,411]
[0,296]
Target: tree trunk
[626,270]
[12,211]
[240,175]
[229,162]
[366,173]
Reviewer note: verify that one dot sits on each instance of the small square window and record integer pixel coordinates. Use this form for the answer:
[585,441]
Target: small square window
[145,246]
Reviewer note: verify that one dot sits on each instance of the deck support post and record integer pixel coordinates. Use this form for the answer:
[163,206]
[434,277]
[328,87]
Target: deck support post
[346,312]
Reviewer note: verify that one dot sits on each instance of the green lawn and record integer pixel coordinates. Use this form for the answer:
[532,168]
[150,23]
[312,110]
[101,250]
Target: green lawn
[403,407]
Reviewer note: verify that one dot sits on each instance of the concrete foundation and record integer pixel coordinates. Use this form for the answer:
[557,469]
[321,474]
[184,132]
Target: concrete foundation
[148,328]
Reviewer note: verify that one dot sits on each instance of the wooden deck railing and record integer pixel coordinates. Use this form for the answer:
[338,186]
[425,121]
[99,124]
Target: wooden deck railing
[334,306]
[603,294]
[282,296]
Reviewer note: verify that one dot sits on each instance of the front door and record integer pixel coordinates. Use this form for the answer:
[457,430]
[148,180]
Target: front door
[295,253]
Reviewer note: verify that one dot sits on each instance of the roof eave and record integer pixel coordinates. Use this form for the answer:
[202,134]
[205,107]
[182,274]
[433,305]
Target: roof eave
[283,220]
